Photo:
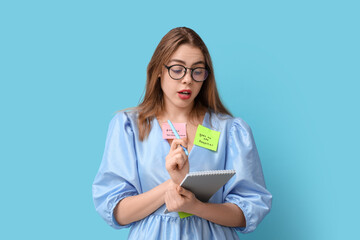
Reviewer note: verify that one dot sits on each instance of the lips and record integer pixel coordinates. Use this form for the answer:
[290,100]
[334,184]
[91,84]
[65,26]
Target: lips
[184,94]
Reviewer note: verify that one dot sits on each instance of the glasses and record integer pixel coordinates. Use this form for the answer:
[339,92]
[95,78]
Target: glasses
[177,72]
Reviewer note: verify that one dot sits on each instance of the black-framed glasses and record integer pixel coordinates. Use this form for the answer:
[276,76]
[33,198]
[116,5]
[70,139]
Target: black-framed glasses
[177,72]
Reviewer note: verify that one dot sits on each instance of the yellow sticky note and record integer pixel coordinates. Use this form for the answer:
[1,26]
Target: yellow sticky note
[207,138]
[184,214]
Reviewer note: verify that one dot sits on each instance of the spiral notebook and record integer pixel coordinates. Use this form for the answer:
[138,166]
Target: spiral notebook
[205,184]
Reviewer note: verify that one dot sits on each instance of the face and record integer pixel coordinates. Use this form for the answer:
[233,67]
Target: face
[181,93]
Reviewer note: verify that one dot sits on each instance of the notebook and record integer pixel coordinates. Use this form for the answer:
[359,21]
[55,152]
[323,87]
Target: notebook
[205,184]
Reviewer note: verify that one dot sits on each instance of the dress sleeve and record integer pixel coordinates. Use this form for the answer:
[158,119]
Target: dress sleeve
[117,177]
[247,188]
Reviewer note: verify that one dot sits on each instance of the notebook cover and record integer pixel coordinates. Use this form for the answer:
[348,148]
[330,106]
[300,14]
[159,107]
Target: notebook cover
[207,183]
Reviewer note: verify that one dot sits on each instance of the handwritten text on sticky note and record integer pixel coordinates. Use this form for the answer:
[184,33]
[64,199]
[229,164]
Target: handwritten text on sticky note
[207,138]
[169,134]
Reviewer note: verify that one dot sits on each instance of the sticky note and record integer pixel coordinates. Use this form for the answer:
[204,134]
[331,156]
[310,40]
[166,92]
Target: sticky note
[184,214]
[207,138]
[168,133]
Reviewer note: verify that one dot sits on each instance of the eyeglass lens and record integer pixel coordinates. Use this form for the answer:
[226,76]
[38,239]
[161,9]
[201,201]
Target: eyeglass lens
[178,72]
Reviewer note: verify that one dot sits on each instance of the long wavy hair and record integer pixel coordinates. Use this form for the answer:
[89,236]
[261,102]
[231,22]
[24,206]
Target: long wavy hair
[153,100]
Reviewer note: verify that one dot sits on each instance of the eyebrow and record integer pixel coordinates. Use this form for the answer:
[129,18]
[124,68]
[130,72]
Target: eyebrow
[181,61]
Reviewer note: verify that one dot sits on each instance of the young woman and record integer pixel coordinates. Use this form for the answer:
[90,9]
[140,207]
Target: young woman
[140,171]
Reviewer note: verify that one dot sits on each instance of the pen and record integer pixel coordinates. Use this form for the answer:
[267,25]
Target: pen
[177,136]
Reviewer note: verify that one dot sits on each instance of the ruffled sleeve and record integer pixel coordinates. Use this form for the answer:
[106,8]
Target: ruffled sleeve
[117,177]
[247,188]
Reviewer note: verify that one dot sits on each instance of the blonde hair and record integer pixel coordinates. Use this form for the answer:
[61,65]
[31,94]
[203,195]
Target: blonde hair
[153,102]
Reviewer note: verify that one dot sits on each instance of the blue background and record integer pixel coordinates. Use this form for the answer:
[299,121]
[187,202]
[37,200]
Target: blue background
[288,68]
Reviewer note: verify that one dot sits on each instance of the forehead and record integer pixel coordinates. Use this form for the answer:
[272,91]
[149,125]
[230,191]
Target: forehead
[188,54]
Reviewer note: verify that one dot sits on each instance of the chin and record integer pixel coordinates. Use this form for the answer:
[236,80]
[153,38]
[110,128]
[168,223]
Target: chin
[184,104]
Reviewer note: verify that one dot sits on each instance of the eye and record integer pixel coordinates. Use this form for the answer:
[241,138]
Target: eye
[199,71]
[177,69]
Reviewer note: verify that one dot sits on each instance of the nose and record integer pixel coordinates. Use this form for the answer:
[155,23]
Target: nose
[187,79]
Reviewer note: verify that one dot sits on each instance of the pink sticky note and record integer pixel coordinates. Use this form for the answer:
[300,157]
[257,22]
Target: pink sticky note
[168,133]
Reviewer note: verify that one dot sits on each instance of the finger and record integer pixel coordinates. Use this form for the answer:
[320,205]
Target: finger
[181,151]
[182,191]
[176,162]
[176,157]
[184,156]
[182,142]
[176,143]
[180,160]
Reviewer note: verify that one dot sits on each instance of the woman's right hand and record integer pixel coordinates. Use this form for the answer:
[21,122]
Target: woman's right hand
[177,163]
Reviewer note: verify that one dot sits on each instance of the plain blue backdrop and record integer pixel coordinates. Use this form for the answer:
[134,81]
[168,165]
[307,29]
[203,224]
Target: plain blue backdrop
[290,69]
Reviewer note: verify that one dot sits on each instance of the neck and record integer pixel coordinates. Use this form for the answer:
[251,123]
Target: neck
[176,114]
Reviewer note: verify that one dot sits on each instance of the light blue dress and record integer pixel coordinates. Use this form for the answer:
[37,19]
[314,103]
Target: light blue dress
[130,167]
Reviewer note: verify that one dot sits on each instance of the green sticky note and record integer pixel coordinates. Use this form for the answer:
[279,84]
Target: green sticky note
[207,138]
[184,214]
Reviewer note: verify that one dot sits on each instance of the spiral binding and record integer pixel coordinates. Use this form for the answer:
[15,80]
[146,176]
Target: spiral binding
[211,172]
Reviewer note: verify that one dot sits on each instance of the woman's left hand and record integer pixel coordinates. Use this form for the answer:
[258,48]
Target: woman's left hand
[178,199]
